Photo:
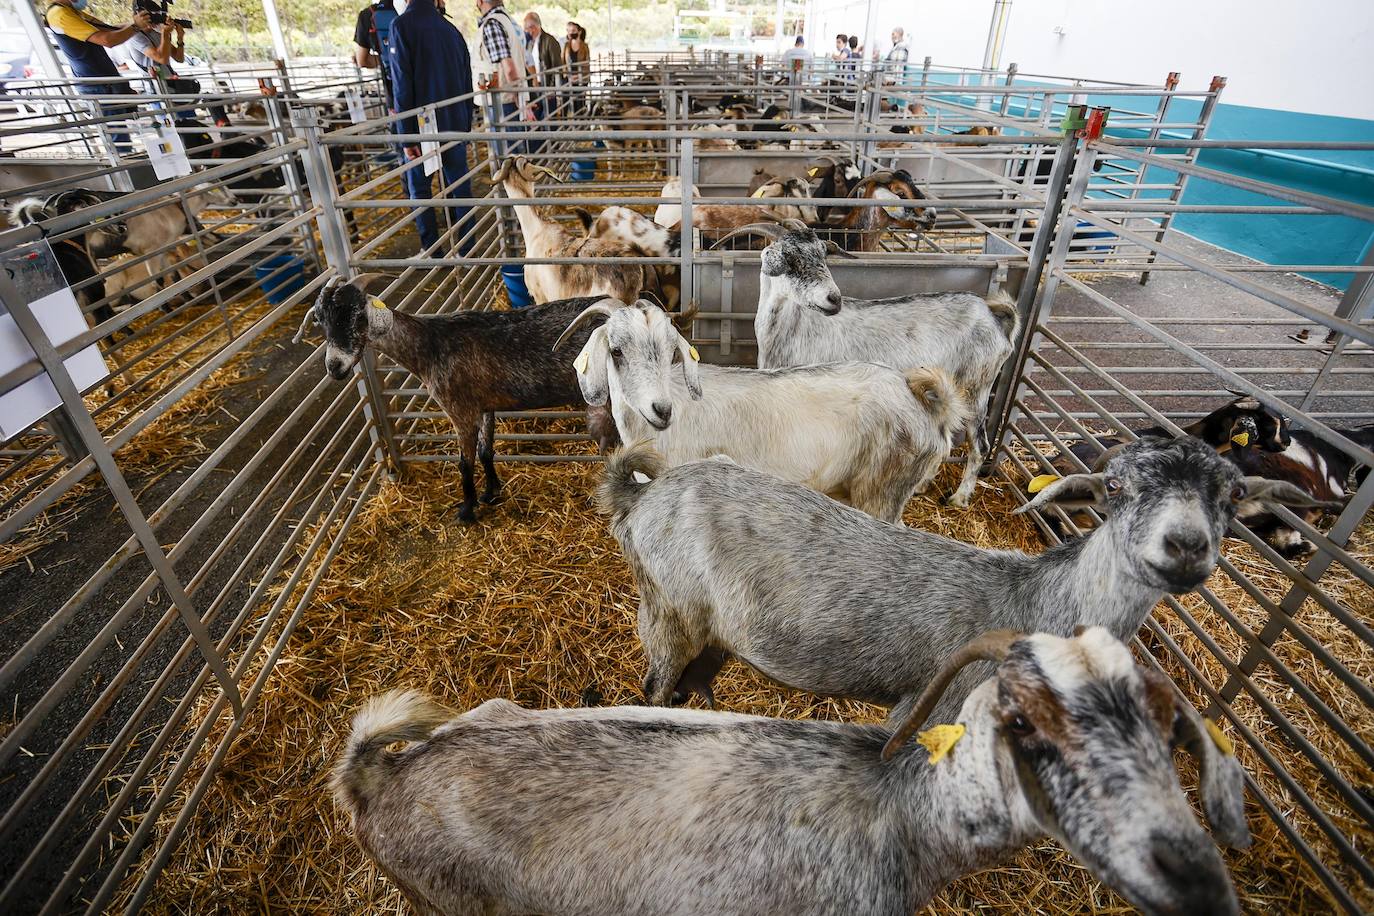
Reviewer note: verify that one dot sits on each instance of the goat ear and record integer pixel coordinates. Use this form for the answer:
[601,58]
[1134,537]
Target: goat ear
[1077,491]
[771,262]
[1263,491]
[690,373]
[591,369]
[1221,780]
[831,248]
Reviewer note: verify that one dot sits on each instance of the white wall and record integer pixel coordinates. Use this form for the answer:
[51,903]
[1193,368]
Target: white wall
[1312,56]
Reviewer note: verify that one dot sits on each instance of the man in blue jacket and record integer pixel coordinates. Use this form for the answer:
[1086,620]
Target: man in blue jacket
[430,64]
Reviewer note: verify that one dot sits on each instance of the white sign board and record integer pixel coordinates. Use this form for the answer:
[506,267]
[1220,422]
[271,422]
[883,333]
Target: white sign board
[61,319]
[429,125]
[166,152]
[356,112]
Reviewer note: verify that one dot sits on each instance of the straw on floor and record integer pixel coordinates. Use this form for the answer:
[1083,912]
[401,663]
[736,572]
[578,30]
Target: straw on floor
[534,604]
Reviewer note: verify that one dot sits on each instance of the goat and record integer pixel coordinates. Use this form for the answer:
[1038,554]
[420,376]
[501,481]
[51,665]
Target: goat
[131,285]
[644,237]
[860,228]
[862,609]
[634,113]
[716,220]
[545,238]
[858,432]
[576,812]
[79,270]
[1311,464]
[715,144]
[833,178]
[473,363]
[802,318]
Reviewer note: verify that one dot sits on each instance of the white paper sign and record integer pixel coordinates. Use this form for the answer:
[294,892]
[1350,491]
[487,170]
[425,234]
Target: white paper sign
[356,113]
[61,319]
[429,125]
[166,152]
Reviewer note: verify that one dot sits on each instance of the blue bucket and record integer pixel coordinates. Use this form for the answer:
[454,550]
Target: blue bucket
[1086,230]
[513,275]
[281,286]
[584,170]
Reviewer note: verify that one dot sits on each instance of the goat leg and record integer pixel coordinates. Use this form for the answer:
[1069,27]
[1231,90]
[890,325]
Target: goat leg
[467,510]
[486,452]
[698,675]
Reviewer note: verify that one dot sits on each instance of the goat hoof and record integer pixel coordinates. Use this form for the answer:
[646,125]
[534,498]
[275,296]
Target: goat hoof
[956,501]
[488,499]
[467,516]
[591,696]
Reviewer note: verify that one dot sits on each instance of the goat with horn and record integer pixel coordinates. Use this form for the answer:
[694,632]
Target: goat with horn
[638,811]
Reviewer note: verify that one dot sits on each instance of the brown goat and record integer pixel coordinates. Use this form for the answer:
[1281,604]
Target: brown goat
[859,228]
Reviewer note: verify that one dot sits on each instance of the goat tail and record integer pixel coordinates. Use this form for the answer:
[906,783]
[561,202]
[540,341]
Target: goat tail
[399,715]
[1003,308]
[935,390]
[620,490]
[29,211]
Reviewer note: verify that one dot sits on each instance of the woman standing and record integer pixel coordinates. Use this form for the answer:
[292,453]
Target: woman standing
[577,63]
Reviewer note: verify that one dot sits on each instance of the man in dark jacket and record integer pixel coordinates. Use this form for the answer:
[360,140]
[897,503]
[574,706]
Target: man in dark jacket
[430,63]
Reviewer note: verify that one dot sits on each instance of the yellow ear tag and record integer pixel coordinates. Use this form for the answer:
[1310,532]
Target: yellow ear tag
[1040,482]
[696,357]
[1219,738]
[757,193]
[814,171]
[1241,438]
[939,740]
[580,364]
[376,303]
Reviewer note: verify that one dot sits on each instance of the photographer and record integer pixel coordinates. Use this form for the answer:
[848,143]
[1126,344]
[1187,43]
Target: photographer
[154,49]
[83,40]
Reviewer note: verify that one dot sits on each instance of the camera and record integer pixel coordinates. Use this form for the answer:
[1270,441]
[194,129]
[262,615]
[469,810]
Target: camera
[157,12]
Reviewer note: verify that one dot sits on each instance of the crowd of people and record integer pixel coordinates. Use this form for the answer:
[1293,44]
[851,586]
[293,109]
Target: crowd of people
[424,59]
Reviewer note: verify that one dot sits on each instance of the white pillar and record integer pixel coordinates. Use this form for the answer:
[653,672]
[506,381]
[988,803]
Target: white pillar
[269,9]
[38,37]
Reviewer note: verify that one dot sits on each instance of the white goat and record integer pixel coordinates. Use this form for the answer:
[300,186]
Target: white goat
[861,433]
[677,812]
[802,318]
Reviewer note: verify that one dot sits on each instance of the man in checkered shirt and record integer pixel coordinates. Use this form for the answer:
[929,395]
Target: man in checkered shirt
[501,61]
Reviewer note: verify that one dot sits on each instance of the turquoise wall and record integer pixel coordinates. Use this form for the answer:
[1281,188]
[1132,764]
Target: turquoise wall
[1294,239]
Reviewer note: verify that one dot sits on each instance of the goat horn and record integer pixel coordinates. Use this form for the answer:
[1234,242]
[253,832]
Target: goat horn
[831,247]
[364,281]
[545,170]
[1108,455]
[686,316]
[602,309]
[992,646]
[770,231]
[795,225]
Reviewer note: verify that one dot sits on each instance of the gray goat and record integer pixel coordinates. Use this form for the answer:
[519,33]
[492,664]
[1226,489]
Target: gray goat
[822,598]
[637,811]
[802,318]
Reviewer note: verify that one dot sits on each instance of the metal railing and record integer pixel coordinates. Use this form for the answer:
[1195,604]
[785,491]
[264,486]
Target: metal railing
[136,644]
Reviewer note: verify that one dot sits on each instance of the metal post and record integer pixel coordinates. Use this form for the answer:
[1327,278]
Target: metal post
[1166,95]
[278,118]
[1006,96]
[269,10]
[1359,297]
[688,243]
[100,453]
[38,39]
[925,72]
[334,235]
[1029,308]
[1209,107]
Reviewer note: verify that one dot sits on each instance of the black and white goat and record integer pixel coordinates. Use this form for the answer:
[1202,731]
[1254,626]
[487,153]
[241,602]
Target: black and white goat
[473,363]
[675,812]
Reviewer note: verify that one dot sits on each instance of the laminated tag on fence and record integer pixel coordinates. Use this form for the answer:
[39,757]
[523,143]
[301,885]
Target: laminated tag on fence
[429,126]
[41,284]
[356,112]
[166,152]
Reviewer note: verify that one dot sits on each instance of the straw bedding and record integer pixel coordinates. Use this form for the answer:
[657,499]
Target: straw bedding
[535,604]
